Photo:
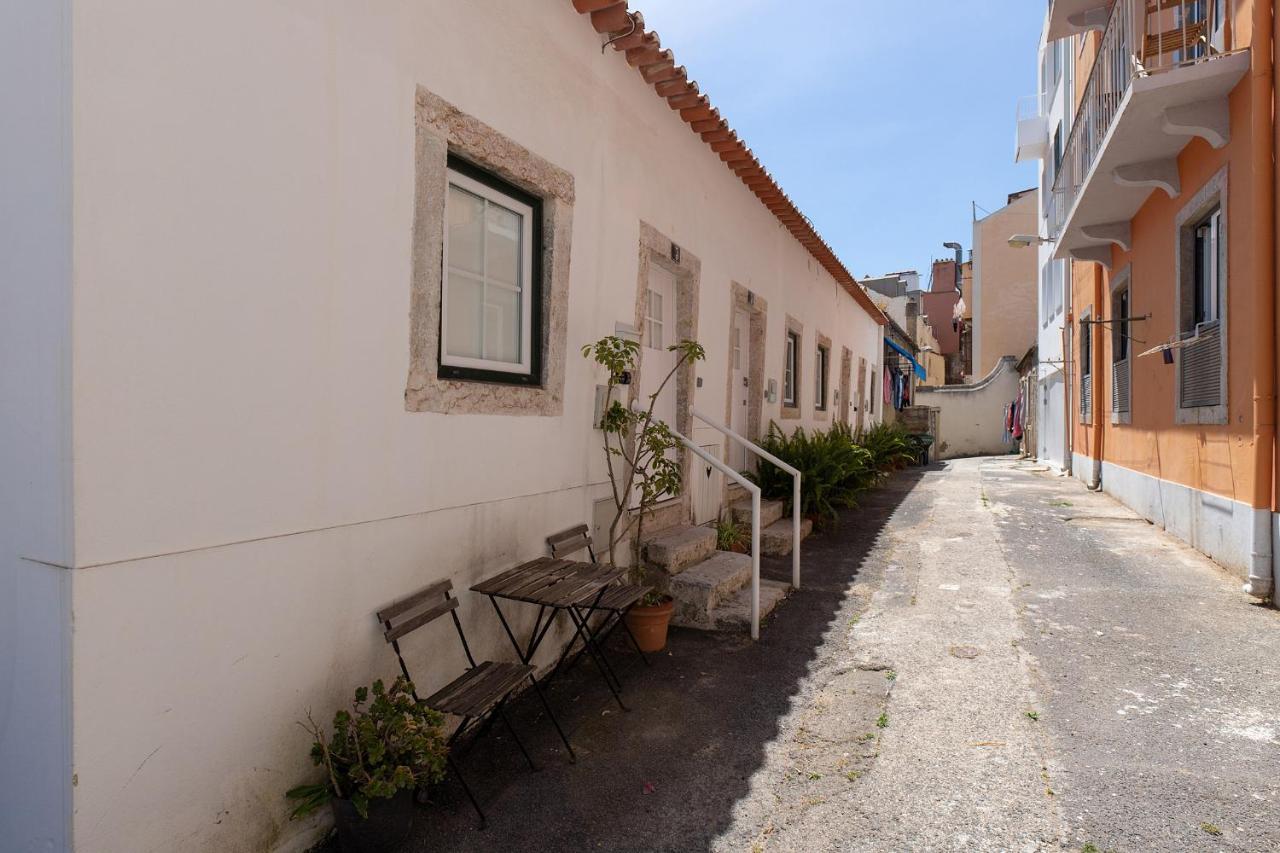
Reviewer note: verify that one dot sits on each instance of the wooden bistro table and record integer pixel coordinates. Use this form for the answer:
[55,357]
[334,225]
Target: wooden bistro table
[557,585]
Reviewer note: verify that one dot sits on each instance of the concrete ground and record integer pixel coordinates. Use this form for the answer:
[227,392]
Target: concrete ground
[983,657]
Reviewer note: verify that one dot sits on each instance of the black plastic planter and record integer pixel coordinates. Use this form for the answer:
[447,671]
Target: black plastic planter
[385,830]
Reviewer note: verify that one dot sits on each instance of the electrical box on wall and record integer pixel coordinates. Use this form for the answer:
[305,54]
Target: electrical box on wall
[603,400]
[771,394]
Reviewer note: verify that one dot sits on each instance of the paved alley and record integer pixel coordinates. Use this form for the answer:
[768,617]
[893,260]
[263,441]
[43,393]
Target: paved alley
[1066,676]
[984,657]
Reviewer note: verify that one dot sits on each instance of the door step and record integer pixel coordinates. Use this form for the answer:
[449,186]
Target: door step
[678,548]
[701,588]
[776,540]
[734,613]
[770,512]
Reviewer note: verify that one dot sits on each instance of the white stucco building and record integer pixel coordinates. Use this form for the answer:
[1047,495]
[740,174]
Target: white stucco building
[1044,124]
[293,301]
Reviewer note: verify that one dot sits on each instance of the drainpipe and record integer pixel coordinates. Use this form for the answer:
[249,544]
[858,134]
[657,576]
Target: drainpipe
[1265,144]
[1099,364]
[1068,362]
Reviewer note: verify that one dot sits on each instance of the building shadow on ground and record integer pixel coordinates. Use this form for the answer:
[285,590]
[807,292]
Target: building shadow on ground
[667,774]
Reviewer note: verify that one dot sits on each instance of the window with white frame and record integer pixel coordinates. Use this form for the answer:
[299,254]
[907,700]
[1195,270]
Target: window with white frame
[820,378]
[655,327]
[1121,363]
[790,373]
[1202,304]
[489,320]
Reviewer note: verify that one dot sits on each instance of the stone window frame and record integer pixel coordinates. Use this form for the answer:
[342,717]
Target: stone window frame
[1122,280]
[791,411]
[844,394]
[656,248]
[822,408]
[441,130]
[1213,194]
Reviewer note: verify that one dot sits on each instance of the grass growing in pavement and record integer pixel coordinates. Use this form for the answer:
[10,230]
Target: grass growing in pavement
[891,675]
[883,722]
[868,736]
[1033,716]
[1211,829]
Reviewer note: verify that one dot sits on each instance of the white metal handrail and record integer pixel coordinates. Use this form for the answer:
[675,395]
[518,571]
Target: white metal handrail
[795,487]
[755,523]
[754,491]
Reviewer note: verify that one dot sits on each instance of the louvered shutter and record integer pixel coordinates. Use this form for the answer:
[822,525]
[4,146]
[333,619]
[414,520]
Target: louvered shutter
[1201,369]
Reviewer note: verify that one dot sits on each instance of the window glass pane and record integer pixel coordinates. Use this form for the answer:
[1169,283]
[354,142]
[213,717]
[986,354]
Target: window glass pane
[502,330]
[654,335]
[466,237]
[502,245]
[466,299]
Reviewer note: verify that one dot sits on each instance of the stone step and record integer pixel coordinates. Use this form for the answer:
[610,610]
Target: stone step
[701,588]
[776,539]
[678,548]
[770,512]
[734,613]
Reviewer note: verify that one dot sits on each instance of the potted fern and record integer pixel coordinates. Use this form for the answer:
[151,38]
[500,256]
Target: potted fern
[642,469]
[375,759]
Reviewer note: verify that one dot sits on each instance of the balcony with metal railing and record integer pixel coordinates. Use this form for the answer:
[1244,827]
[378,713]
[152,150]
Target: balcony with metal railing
[1161,78]
[1072,17]
[1032,142]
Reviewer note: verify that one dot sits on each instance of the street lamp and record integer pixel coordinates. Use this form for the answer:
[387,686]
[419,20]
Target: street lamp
[1022,241]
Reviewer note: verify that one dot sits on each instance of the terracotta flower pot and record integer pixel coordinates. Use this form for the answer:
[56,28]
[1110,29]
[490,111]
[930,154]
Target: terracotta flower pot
[649,625]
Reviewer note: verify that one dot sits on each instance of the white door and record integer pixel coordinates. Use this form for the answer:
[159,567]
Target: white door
[659,332]
[740,386]
[707,487]
[656,334]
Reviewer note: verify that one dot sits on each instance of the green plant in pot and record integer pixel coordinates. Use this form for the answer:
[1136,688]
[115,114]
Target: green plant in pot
[733,535]
[379,753]
[643,470]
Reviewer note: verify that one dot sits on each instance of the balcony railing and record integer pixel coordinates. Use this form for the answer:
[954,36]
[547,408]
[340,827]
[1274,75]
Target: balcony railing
[1143,37]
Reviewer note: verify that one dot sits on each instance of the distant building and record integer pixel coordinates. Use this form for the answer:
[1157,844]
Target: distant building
[1002,299]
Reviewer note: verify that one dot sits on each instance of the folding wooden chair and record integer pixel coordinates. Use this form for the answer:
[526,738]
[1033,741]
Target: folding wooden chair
[479,694]
[616,600]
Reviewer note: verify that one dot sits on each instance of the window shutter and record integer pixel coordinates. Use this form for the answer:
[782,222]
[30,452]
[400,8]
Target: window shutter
[1201,369]
[1120,387]
[1086,397]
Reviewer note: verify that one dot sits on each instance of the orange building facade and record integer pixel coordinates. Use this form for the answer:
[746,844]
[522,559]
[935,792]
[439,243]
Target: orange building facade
[1163,205]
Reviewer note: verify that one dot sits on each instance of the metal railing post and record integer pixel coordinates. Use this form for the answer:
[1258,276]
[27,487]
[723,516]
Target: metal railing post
[754,491]
[795,531]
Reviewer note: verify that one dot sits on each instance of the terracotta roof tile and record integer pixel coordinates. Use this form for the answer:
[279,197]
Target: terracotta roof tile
[644,51]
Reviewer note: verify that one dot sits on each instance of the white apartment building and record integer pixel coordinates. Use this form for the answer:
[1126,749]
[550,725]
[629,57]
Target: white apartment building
[1043,126]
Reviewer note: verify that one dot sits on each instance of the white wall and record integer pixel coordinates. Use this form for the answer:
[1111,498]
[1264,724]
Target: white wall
[971,417]
[249,487]
[35,385]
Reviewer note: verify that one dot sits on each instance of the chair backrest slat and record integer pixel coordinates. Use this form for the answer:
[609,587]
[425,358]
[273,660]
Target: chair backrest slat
[395,632]
[569,541]
[391,611]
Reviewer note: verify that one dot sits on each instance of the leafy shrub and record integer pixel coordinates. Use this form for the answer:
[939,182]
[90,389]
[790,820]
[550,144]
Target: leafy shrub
[375,752]
[832,466]
[890,447]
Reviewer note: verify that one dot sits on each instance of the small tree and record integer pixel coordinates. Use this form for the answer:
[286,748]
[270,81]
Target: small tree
[636,444]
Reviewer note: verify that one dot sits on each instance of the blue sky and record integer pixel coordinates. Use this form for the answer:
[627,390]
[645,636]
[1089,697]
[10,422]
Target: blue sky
[882,120]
